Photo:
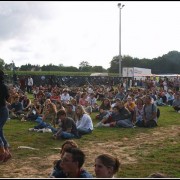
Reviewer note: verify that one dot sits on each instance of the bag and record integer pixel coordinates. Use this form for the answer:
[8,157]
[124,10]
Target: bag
[158,111]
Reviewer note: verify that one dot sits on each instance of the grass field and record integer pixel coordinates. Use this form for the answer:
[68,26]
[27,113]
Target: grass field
[141,151]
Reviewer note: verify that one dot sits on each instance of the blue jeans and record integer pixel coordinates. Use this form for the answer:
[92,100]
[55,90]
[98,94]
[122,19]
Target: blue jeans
[126,123]
[66,135]
[83,131]
[43,124]
[3,118]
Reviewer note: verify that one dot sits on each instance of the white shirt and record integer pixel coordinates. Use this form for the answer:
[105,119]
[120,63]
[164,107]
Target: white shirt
[91,101]
[65,97]
[85,122]
[30,82]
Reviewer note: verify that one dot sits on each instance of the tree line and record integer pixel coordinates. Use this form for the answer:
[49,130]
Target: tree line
[168,63]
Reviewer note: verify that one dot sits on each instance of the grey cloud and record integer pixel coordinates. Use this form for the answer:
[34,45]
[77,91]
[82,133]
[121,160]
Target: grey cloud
[20,48]
[15,17]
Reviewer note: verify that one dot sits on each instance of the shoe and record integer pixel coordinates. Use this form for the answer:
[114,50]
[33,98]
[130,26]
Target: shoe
[14,115]
[7,157]
[2,154]
[105,125]
[2,157]
[46,130]
[23,119]
[179,111]
[22,115]
[40,130]
[36,130]
[31,129]
[98,125]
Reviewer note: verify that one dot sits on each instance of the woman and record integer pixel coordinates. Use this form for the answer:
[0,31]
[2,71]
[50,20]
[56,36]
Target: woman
[82,100]
[34,112]
[106,166]
[48,119]
[130,105]
[104,109]
[84,122]
[4,95]
[138,112]
[57,171]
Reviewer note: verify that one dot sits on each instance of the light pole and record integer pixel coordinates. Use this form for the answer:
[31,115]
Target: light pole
[120,6]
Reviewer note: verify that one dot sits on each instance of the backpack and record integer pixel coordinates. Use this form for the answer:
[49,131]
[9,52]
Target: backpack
[158,111]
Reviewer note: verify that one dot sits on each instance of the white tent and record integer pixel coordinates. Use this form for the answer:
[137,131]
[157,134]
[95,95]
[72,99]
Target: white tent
[99,74]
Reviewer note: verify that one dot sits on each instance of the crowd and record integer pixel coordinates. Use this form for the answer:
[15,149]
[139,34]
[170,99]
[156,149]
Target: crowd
[66,113]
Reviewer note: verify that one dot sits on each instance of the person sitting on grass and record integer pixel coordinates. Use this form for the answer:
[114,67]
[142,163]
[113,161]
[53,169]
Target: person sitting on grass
[48,118]
[84,122]
[106,166]
[104,109]
[124,119]
[150,113]
[130,105]
[26,102]
[72,164]
[176,103]
[34,112]
[138,112]
[69,111]
[67,129]
[57,170]
[87,107]
[107,121]
[15,108]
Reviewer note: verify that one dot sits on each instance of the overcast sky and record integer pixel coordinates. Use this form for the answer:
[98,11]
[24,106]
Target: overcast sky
[69,32]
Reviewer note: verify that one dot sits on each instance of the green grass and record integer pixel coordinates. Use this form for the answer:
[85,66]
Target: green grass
[161,156]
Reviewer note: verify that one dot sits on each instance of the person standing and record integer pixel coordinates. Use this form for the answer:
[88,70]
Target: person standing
[22,83]
[4,95]
[29,84]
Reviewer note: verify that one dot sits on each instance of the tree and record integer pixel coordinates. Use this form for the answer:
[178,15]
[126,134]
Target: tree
[27,67]
[2,63]
[84,66]
[98,69]
[8,67]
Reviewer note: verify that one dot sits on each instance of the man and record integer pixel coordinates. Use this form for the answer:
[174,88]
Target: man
[16,108]
[29,84]
[150,113]
[67,128]
[70,113]
[176,102]
[124,119]
[72,162]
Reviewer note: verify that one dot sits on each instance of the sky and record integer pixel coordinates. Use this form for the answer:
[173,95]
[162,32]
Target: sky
[69,32]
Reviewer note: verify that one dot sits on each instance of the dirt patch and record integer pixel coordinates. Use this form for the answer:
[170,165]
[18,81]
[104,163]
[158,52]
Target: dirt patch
[125,150]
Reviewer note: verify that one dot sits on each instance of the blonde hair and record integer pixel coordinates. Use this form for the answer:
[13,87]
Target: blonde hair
[82,111]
